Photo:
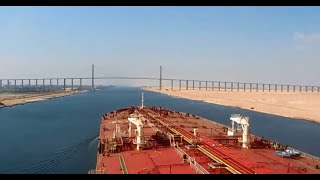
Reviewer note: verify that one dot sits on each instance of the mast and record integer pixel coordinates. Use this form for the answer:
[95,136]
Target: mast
[142,100]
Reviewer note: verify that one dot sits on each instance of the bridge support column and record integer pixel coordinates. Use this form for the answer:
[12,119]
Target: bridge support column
[22,82]
[219,86]
[231,86]
[80,87]
[244,86]
[29,82]
[269,87]
[64,84]
[171,85]
[0,83]
[288,87]
[187,84]
[238,86]
[294,88]
[50,83]
[71,83]
[57,83]
[206,85]
[262,87]
[212,85]
[199,85]
[193,85]
[275,88]
[281,88]
[43,83]
[299,88]
[306,88]
[179,85]
[318,89]
[312,89]
[250,87]
[225,86]
[15,83]
[257,87]
[36,82]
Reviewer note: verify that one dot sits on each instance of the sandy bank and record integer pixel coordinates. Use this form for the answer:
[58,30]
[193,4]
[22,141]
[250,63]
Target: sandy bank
[299,105]
[11,99]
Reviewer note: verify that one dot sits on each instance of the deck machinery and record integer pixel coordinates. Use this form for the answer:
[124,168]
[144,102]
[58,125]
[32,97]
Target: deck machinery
[152,140]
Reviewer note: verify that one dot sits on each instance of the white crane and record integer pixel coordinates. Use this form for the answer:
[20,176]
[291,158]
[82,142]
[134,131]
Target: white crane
[244,122]
[139,137]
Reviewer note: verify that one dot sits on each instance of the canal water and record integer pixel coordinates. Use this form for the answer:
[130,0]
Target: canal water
[60,135]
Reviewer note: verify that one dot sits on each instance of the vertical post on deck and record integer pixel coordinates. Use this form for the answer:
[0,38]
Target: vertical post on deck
[64,84]
[206,85]
[172,84]
[180,85]
[92,77]
[225,86]
[80,83]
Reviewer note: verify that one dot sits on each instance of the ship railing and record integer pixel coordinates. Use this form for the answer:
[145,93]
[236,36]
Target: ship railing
[179,150]
[303,154]
[197,167]
[96,171]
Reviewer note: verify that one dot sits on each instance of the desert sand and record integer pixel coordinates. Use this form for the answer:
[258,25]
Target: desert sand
[299,105]
[11,99]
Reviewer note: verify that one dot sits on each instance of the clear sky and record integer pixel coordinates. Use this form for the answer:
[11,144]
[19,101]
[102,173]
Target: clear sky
[249,44]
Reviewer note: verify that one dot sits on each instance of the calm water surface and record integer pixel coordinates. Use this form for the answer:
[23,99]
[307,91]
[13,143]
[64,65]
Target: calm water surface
[60,135]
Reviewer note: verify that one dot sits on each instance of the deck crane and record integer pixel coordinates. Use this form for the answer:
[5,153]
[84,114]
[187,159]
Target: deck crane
[244,123]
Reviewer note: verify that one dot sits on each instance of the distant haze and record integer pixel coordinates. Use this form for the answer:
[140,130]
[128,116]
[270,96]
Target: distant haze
[248,44]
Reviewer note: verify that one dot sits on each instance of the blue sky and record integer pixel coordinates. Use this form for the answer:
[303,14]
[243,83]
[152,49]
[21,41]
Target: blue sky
[250,44]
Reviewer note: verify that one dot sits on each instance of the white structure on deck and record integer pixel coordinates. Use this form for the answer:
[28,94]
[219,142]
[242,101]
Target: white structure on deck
[139,132]
[142,100]
[244,123]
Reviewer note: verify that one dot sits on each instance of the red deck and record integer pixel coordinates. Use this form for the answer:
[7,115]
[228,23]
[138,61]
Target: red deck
[215,153]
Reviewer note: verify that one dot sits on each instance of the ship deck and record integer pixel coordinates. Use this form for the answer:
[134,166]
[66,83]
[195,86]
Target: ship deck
[174,149]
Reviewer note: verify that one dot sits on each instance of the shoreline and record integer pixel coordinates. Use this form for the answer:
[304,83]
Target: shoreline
[31,98]
[254,102]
